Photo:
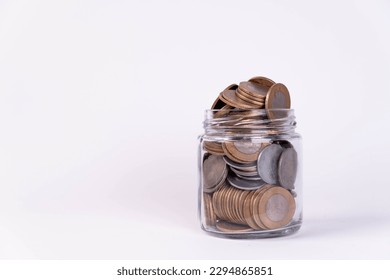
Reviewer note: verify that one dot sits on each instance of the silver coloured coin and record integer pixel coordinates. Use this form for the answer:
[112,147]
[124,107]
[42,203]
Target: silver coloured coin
[219,185]
[284,143]
[243,184]
[214,171]
[250,178]
[267,163]
[241,166]
[288,164]
[244,173]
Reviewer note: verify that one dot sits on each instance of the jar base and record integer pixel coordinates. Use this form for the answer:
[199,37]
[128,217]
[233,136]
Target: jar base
[285,231]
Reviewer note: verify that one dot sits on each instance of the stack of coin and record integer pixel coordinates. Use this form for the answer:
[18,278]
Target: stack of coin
[248,182]
[269,207]
[256,93]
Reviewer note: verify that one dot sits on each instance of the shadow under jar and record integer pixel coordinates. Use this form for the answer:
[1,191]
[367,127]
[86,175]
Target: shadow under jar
[250,173]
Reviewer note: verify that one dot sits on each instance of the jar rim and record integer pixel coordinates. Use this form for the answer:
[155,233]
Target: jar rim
[250,110]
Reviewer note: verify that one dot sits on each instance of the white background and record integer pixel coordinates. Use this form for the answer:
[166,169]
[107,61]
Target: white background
[101,103]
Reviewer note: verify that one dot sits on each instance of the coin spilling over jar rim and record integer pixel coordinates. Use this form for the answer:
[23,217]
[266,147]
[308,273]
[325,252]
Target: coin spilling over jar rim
[250,163]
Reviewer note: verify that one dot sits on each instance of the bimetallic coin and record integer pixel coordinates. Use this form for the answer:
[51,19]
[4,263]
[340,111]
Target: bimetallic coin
[267,163]
[214,148]
[266,82]
[244,150]
[250,98]
[218,103]
[230,98]
[256,90]
[214,172]
[244,184]
[231,227]
[248,210]
[287,171]
[255,204]
[277,97]
[240,205]
[276,207]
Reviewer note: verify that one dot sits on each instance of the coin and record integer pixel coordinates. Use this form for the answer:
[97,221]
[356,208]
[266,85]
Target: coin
[267,163]
[244,184]
[214,148]
[276,207]
[264,81]
[231,156]
[278,97]
[230,98]
[284,143]
[255,204]
[218,103]
[287,170]
[216,201]
[223,112]
[239,172]
[250,178]
[240,205]
[250,98]
[227,204]
[250,166]
[248,210]
[234,205]
[256,90]
[210,216]
[214,172]
[231,227]
[245,150]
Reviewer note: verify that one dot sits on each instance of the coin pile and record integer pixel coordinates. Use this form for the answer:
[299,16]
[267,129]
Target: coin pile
[256,93]
[248,183]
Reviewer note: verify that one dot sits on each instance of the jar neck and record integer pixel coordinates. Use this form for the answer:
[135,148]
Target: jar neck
[261,122]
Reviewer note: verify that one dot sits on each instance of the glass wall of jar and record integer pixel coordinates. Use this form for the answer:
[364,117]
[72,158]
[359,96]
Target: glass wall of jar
[250,173]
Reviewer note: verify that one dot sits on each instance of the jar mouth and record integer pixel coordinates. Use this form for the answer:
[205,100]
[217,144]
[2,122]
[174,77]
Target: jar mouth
[260,121]
[258,111]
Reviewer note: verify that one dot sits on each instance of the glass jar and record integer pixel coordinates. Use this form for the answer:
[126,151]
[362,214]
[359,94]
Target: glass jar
[250,173]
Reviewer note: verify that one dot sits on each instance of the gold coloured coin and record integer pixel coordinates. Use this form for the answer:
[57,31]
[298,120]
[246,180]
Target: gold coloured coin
[216,201]
[231,227]
[240,206]
[218,103]
[248,210]
[230,98]
[245,150]
[255,90]
[276,207]
[210,216]
[223,112]
[231,156]
[249,98]
[263,81]
[235,206]
[214,148]
[255,203]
